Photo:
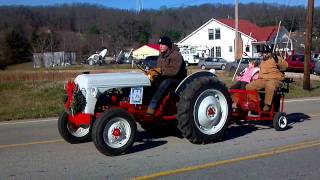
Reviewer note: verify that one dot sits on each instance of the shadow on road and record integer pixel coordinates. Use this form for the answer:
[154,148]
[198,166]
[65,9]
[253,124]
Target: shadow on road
[236,131]
[149,139]
[297,118]
[147,142]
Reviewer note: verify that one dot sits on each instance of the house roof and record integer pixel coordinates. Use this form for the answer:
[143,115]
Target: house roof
[154,46]
[245,27]
[257,32]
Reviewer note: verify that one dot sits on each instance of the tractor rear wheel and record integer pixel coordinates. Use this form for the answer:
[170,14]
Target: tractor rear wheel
[114,132]
[204,110]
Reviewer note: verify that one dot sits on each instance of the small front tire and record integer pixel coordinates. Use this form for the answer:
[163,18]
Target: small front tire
[72,133]
[280,121]
[114,132]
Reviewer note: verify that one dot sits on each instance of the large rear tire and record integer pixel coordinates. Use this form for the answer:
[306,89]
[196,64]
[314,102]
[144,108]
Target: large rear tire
[114,132]
[204,110]
[72,133]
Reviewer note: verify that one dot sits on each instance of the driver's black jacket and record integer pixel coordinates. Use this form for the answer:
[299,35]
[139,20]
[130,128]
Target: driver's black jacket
[172,64]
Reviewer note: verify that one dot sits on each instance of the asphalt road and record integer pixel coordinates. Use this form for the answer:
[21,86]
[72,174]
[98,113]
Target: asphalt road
[33,149]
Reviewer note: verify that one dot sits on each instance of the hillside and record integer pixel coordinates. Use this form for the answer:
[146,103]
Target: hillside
[84,28]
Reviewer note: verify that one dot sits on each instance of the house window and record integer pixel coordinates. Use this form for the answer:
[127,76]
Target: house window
[230,48]
[211,33]
[192,51]
[247,48]
[218,51]
[217,34]
[212,52]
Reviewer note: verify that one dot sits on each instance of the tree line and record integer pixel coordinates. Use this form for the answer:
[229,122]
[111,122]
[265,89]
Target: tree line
[85,28]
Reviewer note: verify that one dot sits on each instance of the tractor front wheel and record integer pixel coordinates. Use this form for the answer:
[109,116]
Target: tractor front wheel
[72,133]
[114,132]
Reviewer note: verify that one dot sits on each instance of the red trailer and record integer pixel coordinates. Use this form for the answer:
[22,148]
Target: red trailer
[249,103]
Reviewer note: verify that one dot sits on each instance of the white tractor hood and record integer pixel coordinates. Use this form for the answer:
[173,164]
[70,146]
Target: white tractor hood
[105,81]
[99,83]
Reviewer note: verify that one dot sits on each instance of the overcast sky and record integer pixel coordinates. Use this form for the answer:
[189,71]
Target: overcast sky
[149,4]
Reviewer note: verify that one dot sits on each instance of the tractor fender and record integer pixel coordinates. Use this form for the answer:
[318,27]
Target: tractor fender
[190,78]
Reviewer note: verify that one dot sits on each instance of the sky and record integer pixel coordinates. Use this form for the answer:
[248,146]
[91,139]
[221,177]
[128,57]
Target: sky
[149,4]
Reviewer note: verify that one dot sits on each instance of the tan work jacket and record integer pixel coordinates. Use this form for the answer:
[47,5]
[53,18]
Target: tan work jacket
[269,69]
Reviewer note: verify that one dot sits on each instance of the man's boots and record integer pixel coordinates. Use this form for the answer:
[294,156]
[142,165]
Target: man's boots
[266,108]
[150,111]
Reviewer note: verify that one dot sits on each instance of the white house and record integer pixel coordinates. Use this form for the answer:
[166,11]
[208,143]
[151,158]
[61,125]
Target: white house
[216,38]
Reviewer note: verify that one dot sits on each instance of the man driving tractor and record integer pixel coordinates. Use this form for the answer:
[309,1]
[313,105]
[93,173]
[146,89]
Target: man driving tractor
[270,76]
[171,69]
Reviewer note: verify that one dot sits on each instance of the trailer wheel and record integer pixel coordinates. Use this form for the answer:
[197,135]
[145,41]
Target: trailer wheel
[114,132]
[204,110]
[72,133]
[280,121]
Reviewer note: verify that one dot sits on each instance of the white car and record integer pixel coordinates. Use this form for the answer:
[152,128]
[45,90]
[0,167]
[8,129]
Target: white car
[190,59]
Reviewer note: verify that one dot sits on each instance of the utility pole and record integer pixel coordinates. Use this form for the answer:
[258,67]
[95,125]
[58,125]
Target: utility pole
[308,45]
[139,6]
[236,42]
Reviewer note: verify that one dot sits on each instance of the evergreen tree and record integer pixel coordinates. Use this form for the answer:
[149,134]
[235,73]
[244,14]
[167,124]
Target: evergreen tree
[16,48]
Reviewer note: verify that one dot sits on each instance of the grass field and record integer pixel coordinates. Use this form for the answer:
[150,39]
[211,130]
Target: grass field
[21,100]
[37,94]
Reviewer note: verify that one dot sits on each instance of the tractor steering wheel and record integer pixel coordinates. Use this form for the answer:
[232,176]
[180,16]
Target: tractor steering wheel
[146,68]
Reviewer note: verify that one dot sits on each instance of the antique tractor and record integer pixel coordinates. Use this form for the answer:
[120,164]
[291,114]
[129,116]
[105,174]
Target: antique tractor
[105,108]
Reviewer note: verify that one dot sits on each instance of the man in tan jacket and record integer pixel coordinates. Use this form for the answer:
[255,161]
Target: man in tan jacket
[270,76]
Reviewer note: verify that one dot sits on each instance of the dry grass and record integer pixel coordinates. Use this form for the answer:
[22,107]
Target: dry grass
[20,100]
[26,72]
[36,93]
[48,75]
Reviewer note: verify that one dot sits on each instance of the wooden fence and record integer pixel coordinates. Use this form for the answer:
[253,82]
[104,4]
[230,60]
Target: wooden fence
[52,59]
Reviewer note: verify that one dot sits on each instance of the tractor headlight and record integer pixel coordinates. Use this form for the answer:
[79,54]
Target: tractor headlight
[84,92]
[94,92]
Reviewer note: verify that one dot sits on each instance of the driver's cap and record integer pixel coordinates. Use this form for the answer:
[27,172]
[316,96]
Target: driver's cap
[165,40]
